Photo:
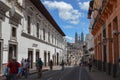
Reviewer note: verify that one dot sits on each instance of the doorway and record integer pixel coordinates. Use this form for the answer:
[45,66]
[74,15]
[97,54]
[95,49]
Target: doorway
[30,58]
[57,58]
[37,55]
[12,51]
[48,57]
[45,58]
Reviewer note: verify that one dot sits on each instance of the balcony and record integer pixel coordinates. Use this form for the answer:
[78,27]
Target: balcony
[103,14]
[100,10]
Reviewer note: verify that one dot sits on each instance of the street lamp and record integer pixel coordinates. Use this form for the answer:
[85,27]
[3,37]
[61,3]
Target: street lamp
[115,32]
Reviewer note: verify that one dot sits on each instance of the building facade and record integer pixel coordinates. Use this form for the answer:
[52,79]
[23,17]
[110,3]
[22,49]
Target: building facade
[75,50]
[105,30]
[89,40]
[27,30]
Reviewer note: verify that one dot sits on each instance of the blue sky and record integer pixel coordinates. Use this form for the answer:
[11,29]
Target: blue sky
[70,15]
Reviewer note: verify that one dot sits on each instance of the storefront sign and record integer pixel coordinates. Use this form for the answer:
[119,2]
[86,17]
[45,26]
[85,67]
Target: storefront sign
[34,45]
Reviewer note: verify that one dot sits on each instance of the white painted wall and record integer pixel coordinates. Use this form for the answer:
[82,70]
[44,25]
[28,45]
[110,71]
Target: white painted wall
[6,33]
[25,43]
[89,41]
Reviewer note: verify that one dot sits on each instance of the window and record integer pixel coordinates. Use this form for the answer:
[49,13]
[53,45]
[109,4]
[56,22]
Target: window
[55,40]
[13,32]
[29,26]
[115,23]
[37,32]
[48,36]
[43,34]
[52,38]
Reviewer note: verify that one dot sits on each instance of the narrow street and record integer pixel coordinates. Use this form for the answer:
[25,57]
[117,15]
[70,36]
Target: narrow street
[45,33]
[69,73]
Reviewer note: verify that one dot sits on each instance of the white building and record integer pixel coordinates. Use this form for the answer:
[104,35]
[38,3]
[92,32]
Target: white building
[89,38]
[27,30]
[89,43]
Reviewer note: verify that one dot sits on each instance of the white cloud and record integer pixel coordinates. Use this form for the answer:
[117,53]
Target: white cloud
[69,38]
[57,5]
[84,5]
[66,11]
[69,27]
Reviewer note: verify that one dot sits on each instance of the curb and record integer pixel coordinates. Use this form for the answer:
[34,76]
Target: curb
[36,71]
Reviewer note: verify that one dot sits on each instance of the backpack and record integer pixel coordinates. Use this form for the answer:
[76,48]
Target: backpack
[39,63]
[15,65]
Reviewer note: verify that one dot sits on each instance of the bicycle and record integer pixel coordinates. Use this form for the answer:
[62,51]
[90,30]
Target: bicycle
[39,72]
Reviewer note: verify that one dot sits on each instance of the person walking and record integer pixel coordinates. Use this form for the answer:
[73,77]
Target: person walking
[25,68]
[62,64]
[22,61]
[28,65]
[90,65]
[12,70]
[39,65]
[51,64]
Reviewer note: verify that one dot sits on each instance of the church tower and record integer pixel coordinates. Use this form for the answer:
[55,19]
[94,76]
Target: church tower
[76,37]
[79,39]
[82,37]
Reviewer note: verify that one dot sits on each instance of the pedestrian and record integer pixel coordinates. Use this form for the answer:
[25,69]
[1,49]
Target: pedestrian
[90,65]
[51,64]
[12,70]
[62,64]
[22,61]
[25,68]
[39,65]
[28,64]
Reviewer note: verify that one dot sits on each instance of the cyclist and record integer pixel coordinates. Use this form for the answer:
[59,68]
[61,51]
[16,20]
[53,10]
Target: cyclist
[39,65]
[12,70]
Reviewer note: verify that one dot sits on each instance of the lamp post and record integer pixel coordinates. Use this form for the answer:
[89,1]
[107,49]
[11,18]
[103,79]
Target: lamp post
[115,32]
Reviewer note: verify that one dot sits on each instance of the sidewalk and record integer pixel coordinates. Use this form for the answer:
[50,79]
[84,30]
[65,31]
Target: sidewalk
[44,69]
[99,75]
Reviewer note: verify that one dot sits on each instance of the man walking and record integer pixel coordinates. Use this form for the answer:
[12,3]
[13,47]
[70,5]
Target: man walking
[13,69]
[51,64]
[39,65]
[62,64]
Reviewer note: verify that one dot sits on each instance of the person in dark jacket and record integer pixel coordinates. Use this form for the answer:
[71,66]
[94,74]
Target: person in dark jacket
[51,64]
[39,65]
[90,65]
[62,64]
